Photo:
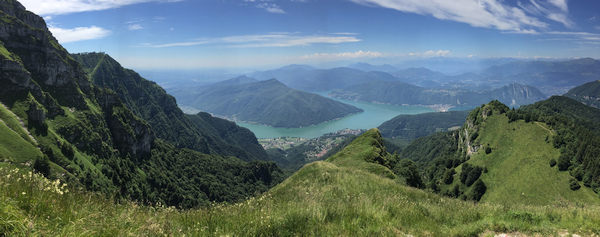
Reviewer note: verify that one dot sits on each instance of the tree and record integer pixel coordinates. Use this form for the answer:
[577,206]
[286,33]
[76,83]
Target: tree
[42,166]
[67,150]
[478,190]
[563,163]
[408,169]
[552,163]
[473,175]
[449,176]
[574,185]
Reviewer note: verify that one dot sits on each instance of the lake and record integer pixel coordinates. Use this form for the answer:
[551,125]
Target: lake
[372,117]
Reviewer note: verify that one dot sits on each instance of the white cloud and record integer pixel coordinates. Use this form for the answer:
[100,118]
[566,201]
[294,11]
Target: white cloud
[344,55]
[262,41]
[58,7]
[78,33]
[430,53]
[135,27]
[562,4]
[271,7]
[482,13]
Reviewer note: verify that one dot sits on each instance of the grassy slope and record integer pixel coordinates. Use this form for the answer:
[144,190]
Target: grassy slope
[323,198]
[519,170]
[15,144]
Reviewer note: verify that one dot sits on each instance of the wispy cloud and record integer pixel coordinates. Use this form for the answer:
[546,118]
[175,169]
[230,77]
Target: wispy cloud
[78,33]
[263,41]
[135,27]
[343,55]
[271,7]
[483,13]
[430,53]
[58,7]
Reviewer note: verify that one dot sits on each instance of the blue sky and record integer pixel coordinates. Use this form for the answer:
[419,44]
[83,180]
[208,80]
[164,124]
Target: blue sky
[195,34]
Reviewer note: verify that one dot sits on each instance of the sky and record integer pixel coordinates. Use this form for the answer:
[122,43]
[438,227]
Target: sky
[212,34]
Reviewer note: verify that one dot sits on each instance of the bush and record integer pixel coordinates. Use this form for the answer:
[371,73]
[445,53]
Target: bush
[574,185]
[552,163]
[449,176]
[478,190]
[488,150]
[470,174]
[67,150]
[408,169]
[473,175]
[563,163]
[42,166]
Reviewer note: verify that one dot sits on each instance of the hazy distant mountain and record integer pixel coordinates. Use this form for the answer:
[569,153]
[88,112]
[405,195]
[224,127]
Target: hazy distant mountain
[552,77]
[588,93]
[395,92]
[267,102]
[421,77]
[307,79]
[370,67]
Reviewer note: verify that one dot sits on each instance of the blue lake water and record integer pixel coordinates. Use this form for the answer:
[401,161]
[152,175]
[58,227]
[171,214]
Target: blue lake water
[372,117]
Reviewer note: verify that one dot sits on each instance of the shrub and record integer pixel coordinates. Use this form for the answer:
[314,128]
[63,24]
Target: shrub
[478,190]
[473,175]
[552,163]
[488,150]
[563,163]
[67,150]
[449,176]
[574,185]
[42,166]
[408,169]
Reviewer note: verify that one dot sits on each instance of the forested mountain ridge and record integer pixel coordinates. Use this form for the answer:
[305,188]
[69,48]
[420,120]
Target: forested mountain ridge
[66,127]
[588,93]
[151,103]
[514,151]
[419,125]
[267,102]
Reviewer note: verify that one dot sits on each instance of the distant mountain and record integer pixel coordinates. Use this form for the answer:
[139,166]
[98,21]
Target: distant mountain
[395,92]
[421,77]
[410,127]
[588,93]
[150,102]
[319,80]
[267,102]
[370,67]
[552,77]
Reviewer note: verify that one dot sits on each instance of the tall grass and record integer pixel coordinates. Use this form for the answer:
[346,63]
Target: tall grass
[320,199]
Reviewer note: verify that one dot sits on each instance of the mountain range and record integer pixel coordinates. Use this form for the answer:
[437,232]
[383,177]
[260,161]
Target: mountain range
[395,92]
[267,102]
